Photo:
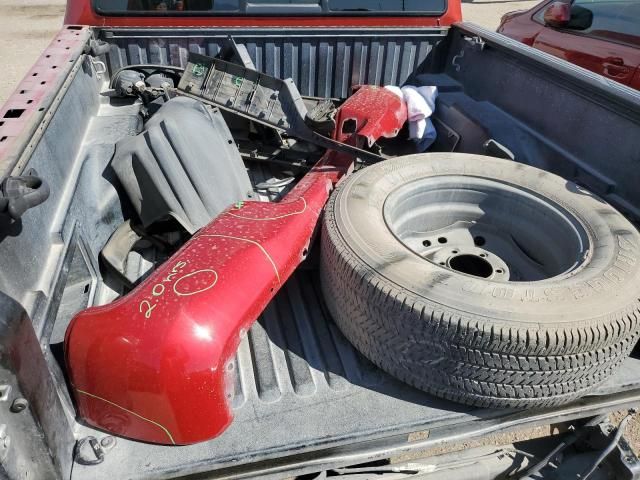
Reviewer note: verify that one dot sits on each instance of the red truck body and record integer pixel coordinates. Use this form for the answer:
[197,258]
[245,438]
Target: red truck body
[605,49]
[81,12]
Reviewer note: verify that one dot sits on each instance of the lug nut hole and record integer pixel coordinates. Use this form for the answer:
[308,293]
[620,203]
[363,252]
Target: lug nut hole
[471,265]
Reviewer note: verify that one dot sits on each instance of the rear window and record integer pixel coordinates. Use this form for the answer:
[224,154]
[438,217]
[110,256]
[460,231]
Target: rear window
[270,7]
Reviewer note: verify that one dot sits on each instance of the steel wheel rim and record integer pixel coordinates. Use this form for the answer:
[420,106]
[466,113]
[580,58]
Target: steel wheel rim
[486,228]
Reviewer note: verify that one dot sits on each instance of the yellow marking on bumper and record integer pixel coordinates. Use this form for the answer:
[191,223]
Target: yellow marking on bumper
[266,254]
[277,217]
[128,411]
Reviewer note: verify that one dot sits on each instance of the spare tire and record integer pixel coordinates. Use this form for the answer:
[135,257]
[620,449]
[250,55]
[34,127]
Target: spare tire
[481,280]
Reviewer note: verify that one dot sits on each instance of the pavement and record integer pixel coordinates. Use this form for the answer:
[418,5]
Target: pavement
[489,12]
[27,27]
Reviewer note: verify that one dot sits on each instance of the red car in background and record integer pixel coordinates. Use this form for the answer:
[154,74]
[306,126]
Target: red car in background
[600,35]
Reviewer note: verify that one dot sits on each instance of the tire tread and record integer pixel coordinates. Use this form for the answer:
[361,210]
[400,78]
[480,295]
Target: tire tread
[481,364]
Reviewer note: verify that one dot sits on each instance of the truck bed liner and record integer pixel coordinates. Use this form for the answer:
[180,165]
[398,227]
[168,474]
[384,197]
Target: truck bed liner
[304,394]
[303,388]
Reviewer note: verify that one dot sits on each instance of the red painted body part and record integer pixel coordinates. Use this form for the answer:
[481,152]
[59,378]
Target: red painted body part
[81,12]
[605,44]
[26,107]
[155,365]
[375,112]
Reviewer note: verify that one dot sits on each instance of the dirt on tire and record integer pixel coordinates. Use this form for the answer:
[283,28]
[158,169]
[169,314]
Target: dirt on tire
[475,340]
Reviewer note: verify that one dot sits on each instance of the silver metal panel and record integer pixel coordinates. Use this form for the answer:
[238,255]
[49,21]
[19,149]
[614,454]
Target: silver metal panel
[321,62]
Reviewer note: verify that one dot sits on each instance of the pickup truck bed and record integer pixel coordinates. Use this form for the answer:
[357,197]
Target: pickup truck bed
[305,400]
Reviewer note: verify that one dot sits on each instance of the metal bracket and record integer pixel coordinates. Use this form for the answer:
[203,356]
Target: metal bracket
[93,455]
[99,67]
[626,462]
[235,53]
[476,42]
[454,61]
[493,148]
[97,47]
[614,450]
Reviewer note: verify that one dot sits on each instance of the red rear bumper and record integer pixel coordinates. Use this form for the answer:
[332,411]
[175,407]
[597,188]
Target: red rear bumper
[156,365]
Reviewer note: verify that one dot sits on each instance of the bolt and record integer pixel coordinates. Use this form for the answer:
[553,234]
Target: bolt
[108,443]
[19,404]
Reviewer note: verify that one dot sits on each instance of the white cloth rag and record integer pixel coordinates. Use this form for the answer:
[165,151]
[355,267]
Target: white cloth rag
[421,103]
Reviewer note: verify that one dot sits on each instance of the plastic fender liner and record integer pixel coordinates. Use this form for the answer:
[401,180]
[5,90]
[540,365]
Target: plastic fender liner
[157,364]
[169,169]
